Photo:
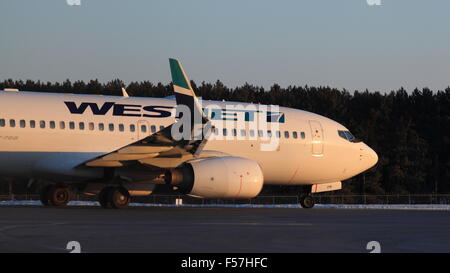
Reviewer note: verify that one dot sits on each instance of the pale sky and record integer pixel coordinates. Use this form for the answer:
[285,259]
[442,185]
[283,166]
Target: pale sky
[340,43]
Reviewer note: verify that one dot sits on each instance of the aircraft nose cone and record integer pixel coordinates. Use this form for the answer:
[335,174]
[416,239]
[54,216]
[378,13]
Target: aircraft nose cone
[372,157]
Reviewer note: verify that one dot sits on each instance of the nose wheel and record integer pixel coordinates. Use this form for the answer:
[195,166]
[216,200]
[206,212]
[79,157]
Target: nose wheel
[307,201]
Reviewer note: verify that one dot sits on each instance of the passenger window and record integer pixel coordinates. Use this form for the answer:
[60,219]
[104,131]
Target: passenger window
[81,125]
[101,126]
[252,133]
[269,133]
[71,125]
[143,128]
[22,123]
[260,133]
[243,133]
[302,134]
[286,134]
[121,128]
[294,134]
[278,134]
[161,127]
[224,132]
[132,128]
[12,123]
[153,128]
[2,122]
[62,125]
[32,124]
[52,124]
[42,124]
[111,127]
[234,132]
[216,131]
[91,126]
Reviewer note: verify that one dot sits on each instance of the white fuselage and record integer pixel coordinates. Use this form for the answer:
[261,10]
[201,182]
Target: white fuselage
[315,154]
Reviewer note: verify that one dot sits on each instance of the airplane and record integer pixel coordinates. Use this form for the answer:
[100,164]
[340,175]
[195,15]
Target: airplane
[118,147]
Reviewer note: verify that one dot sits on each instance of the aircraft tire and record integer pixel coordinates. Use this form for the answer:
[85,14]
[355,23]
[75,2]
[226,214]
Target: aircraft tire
[58,196]
[119,197]
[307,201]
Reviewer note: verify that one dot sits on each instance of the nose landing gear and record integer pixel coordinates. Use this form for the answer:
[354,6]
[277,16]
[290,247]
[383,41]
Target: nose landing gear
[307,201]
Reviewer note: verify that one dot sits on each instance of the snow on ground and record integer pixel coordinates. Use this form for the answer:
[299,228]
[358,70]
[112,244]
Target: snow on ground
[319,206]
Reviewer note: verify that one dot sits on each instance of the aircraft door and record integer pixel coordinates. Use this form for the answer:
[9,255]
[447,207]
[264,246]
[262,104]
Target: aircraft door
[316,138]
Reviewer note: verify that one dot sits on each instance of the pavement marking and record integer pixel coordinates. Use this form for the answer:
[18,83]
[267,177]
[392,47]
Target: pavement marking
[255,224]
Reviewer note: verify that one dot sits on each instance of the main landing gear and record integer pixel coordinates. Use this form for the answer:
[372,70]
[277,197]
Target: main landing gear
[307,201]
[114,197]
[53,195]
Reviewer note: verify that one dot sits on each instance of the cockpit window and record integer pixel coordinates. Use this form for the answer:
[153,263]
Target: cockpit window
[348,136]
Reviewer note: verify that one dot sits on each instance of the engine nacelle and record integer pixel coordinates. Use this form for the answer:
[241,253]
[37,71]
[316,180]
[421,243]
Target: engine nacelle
[218,177]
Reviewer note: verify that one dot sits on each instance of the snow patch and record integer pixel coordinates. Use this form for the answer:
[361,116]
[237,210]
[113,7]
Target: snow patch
[318,206]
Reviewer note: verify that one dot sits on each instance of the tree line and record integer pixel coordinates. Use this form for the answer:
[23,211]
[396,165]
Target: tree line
[410,131]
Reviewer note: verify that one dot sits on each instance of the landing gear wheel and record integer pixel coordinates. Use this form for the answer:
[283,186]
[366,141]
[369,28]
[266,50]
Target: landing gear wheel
[307,201]
[103,197]
[58,196]
[44,195]
[119,197]
[114,197]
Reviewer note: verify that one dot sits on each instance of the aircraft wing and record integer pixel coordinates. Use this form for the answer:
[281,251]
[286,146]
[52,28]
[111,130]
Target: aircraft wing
[163,149]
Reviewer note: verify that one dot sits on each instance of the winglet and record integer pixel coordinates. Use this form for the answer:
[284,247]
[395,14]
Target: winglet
[180,80]
[184,94]
[124,93]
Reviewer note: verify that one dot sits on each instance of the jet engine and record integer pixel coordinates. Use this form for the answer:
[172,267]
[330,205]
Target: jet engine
[218,177]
